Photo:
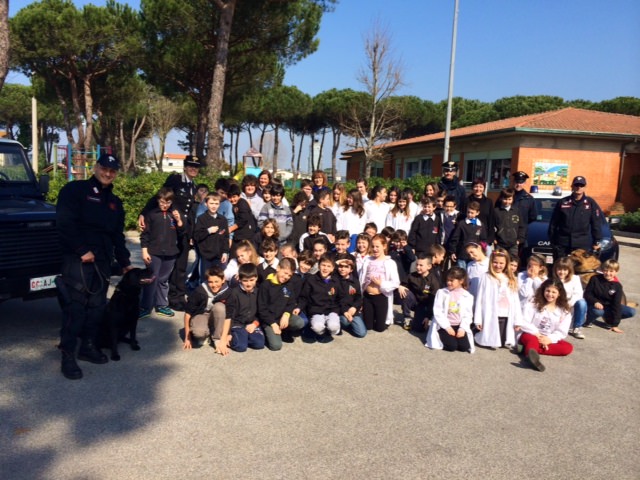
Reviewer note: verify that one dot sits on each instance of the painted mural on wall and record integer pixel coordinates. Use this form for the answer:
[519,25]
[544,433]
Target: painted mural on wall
[547,174]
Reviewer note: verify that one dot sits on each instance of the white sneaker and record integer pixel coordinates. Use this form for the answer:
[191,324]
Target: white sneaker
[577,333]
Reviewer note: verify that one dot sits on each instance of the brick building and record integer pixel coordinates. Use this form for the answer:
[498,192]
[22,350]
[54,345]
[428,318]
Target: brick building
[552,147]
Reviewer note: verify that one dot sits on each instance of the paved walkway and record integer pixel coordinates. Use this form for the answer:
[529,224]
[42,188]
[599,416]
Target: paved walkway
[376,408]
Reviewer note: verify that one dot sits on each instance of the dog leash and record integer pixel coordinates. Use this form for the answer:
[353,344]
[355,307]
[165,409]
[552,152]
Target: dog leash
[84,281]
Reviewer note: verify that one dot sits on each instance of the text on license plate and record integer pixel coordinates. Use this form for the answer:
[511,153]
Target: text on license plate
[42,283]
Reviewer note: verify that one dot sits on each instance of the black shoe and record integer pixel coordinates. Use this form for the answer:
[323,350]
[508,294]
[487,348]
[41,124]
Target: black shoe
[177,306]
[70,368]
[534,360]
[90,353]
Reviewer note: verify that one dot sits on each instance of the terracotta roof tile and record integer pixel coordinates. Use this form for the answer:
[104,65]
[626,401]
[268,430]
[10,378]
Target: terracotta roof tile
[569,120]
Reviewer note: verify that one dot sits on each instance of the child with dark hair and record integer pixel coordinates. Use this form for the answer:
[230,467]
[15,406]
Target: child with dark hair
[530,279]
[545,324]
[477,267]
[452,315]
[250,194]
[400,216]
[510,229]
[387,232]
[418,293]
[314,225]
[497,307]
[241,329]
[605,298]
[341,246]
[269,229]
[401,253]
[206,310]
[449,217]
[426,228]
[245,226]
[379,278]
[371,229]
[351,304]
[275,209]
[363,247]
[320,299]
[323,209]
[269,261]
[469,229]
[276,304]
[212,236]
[159,242]
[563,271]
[300,215]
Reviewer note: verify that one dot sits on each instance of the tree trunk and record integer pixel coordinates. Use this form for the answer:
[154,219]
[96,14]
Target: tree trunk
[201,133]
[227,8]
[125,163]
[334,152]
[292,140]
[4,40]
[300,152]
[322,138]
[276,144]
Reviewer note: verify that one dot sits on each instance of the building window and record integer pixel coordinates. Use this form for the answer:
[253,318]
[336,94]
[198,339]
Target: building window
[377,169]
[475,169]
[426,167]
[411,168]
[500,173]
[399,169]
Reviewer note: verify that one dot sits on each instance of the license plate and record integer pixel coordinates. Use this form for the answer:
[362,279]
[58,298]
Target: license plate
[42,283]
[550,259]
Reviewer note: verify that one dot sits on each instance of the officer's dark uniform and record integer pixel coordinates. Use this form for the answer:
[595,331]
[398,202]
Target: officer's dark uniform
[90,218]
[184,191]
[575,224]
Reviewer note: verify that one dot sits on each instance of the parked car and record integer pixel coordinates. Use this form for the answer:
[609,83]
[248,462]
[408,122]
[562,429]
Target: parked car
[538,238]
[30,254]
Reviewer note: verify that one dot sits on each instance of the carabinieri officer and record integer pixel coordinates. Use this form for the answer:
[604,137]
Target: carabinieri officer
[90,222]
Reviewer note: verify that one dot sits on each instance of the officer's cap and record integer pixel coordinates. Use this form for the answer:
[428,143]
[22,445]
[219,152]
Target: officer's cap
[192,161]
[579,181]
[107,160]
[449,166]
[520,177]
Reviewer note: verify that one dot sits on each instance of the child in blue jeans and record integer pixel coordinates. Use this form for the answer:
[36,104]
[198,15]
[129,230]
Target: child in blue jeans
[241,328]
[604,296]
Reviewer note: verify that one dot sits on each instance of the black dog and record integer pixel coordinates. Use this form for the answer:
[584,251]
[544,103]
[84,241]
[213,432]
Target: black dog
[121,315]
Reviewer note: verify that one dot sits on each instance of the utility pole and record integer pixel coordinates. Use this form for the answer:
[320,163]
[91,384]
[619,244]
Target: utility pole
[34,134]
[452,64]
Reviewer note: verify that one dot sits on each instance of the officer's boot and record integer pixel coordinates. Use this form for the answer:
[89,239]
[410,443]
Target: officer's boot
[90,353]
[70,368]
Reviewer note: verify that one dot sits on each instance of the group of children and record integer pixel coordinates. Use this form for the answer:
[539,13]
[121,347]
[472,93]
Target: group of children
[264,280]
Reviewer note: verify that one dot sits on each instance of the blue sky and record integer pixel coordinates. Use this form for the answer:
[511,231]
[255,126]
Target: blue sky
[587,49]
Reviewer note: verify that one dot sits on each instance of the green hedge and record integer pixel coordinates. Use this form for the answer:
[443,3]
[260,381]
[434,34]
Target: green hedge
[630,221]
[135,190]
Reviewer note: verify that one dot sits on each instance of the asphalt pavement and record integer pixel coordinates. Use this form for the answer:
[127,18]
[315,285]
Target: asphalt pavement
[379,407]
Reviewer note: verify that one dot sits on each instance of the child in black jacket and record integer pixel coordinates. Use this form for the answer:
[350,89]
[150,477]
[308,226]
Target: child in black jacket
[510,230]
[212,236]
[159,242]
[320,299]
[427,228]
[351,298]
[205,311]
[241,329]
[469,229]
[418,295]
[245,226]
[276,303]
[605,298]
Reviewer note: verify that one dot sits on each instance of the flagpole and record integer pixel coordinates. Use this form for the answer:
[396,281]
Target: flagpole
[452,63]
